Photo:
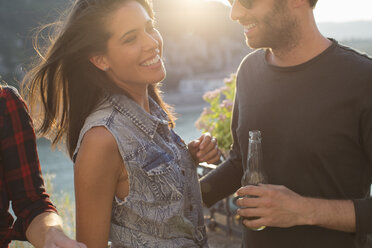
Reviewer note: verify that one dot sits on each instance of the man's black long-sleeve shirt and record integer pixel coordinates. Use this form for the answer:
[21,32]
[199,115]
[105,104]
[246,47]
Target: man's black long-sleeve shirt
[316,124]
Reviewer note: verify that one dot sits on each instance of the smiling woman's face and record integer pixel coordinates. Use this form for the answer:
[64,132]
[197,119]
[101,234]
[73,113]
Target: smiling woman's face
[134,50]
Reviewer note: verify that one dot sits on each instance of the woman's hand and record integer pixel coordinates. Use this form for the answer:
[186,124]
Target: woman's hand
[205,149]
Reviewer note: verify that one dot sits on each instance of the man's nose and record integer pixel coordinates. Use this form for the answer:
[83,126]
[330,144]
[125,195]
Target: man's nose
[237,11]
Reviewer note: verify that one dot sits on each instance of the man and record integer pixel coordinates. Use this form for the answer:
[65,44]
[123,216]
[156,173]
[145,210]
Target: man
[312,100]
[21,182]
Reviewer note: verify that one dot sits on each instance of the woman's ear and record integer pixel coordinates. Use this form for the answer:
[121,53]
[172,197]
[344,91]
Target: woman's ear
[100,62]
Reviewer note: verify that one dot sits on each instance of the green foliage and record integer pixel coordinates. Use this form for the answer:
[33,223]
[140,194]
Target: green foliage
[216,119]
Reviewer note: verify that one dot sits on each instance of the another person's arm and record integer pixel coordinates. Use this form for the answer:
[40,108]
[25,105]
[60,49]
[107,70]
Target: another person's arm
[97,170]
[36,216]
[45,230]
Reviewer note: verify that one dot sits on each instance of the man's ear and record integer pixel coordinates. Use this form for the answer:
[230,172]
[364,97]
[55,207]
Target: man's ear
[100,62]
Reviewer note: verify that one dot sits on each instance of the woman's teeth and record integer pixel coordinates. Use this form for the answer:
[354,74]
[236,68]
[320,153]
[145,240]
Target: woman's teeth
[152,61]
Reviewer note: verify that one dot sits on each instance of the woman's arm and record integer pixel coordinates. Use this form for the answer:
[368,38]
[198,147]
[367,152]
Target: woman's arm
[97,170]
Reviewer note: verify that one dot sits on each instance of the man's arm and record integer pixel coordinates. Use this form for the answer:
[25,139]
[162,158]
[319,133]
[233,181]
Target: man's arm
[220,183]
[226,178]
[277,206]
[45,230]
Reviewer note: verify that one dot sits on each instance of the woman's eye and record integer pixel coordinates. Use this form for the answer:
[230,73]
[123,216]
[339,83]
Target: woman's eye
[130,39]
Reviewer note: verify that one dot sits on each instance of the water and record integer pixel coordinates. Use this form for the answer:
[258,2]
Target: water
[55,162]
[58,163]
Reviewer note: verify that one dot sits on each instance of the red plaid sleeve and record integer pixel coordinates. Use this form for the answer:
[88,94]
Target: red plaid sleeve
[21,182]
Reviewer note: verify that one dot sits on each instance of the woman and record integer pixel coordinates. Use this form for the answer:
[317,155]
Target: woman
[135,179]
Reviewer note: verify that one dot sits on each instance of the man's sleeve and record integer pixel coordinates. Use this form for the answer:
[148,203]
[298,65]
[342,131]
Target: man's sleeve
[363,207]
[23,179]
[225,179]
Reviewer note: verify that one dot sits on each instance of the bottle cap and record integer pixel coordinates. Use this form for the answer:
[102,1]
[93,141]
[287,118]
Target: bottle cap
[255,135]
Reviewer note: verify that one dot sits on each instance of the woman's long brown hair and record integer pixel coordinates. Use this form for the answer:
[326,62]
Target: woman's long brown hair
[64,87]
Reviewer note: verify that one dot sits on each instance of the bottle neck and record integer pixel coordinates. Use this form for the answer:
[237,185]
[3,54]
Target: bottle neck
[253,171]
[254,161]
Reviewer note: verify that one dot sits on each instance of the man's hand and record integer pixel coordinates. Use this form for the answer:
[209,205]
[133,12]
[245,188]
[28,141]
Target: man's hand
[278,206]
[56,238]
[205,149]
[275,206]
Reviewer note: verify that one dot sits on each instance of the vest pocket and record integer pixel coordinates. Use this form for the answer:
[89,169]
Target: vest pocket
[159,166]
[166,181]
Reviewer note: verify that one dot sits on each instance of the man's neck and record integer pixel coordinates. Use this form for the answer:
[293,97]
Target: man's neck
[311,44]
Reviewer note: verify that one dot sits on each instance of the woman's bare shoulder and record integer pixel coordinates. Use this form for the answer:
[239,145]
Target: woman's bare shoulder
[98,149]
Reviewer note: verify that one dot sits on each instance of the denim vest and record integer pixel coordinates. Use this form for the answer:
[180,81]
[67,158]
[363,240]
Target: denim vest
[163,207]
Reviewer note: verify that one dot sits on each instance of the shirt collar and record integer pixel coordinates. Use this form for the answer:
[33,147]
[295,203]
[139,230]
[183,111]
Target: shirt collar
[145,121]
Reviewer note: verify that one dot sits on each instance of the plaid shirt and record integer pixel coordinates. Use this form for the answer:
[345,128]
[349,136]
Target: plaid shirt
[20,175]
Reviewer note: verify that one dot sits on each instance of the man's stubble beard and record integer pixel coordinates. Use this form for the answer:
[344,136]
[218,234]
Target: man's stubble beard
[280,30]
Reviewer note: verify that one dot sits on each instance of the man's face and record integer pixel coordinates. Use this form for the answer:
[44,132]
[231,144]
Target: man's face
[267,23]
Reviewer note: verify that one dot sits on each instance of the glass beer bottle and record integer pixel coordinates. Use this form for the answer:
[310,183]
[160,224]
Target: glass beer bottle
[253,169]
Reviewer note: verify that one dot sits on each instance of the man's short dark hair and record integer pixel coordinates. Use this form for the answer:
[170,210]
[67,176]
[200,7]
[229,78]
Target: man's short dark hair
[312,3]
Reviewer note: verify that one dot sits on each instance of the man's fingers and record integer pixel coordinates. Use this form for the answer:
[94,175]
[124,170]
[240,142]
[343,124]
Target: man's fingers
[248,202]
[251,190]
[250,212]
[254,224]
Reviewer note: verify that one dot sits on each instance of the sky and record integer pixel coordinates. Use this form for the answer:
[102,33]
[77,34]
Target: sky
[340,10]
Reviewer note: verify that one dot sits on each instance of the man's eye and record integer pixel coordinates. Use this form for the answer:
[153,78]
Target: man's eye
[246,3]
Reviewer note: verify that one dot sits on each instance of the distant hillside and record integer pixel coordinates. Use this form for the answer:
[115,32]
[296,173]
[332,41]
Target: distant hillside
[348,30]
[199,37]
